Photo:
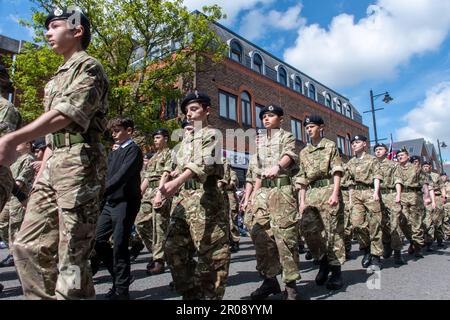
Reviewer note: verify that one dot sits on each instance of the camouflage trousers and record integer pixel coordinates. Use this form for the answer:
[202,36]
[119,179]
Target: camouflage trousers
[447,218]
[433,222]
[4,224]
[6,186]
[234,211]
[14,213]
[348,230]
[199,226]
[52,248]
[275,232]
[323,226]
[412,217]
[390,223]
[366,221]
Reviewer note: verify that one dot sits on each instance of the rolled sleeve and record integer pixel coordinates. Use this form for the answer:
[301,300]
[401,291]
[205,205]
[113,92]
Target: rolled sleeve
[288,148]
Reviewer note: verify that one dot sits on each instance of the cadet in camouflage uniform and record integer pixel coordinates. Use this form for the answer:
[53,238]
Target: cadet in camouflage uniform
[153,220]
[52,248]
[275,206]
[348,230]
[228,186]
[390,189]
[10,120]
[365,174]
[23,174]
[414,180]
[198,222]
[246,204]
[446,200]
[434,217]
[320,203]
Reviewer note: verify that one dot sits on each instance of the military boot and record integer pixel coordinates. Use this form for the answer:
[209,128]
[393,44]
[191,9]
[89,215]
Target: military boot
[398,259]
[308,255]
[135,250]
[411,249]
[158,267]
[429,247]
[335,282]
[290,291]
[387,250]
[418,252]
[7,262]
[1,288]
[365,262]
[440,244]
[322,275]
[375,263]
[268,287]
[301,248]
[234,247]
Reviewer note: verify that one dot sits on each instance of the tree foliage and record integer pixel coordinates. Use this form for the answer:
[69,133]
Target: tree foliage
[145,47]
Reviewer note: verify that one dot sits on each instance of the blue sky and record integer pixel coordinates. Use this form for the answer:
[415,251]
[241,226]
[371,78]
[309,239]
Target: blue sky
[352,46]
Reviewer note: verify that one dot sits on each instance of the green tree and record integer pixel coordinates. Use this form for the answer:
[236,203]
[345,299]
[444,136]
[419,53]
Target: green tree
[145,46]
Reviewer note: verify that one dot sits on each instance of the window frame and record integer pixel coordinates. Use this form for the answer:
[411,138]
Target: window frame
[298,127]
[228,96]
[310,85]
[257,119]
[238,53]
[248,108]
[279,68]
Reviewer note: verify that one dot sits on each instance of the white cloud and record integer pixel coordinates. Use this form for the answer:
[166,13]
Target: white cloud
[14,18]
[232,8]
[349,52]
[430,119]
[257,24]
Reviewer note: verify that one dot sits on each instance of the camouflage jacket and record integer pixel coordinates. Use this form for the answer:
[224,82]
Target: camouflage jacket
[251,170]
[270,151]
[437,185]
[198,153]
[345,180]
[364,170]
[230,179]
[447,189]
[318,162]
[158,164]
[79,91]
[10,118]
[412,177]
[390,174]
[23,171]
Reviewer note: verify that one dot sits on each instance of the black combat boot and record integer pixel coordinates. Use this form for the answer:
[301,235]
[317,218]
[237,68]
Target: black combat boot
[268,287]
[290,291]
[440,243]
[387,250]
[398,259]
[411,249]
[1,288]
[301,248]
[135,250]
[234,246]
[322,275]
[375,263]
[7,262]
[429,247]
[335,282]
[308,255]
[418,251]
[365,262]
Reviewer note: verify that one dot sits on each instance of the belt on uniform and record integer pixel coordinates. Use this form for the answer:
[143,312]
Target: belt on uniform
[278,182]
[387,190]
[362,187]
[153,184]
[344,188]
[66,139]
[321,183]
[412,189]
[192,185]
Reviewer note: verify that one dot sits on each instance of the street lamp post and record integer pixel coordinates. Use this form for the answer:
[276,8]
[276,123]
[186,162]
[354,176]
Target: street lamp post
[387,98]
[443,145]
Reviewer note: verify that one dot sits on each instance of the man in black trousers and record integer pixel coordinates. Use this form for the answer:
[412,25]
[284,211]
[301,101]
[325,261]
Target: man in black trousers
[122,202]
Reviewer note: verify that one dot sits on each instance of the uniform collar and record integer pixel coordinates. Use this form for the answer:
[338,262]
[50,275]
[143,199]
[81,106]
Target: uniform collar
[73,59]
[320,145]
[126,143]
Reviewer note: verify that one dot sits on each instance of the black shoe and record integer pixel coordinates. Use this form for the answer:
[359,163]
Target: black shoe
[1,288]
[7,262]
[411,249]
[308,255]
[301,248]
[290,291]
[365,262]
[418,252]
[136,250]
[234,247]
[398,259]
[348,256]
[375,263]
[429,247]
[110,293]
[387,250]
[440,244]
[119,296]
[268,287]
[335,282]
[322,275]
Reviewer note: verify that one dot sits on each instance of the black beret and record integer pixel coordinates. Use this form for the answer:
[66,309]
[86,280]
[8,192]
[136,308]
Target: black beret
[195,97]
[414,158]
[161,131]
[314,119]
[359,137]
[272,108]
[443,174]
[428,162]
[382,145]
[73,13]
[39,143]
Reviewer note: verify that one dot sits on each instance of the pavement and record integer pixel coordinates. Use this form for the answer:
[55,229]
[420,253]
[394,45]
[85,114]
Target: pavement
[422,279]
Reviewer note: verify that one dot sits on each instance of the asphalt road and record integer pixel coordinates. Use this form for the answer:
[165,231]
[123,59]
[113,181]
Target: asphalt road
[427,278]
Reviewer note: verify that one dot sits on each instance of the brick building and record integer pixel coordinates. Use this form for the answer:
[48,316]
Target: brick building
[250,78]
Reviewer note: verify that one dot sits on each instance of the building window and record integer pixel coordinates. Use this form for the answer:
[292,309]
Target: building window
[236,51]
[258,121]
[246,110]
[282,76]
[341,144]
[348,145]
[338,106]
[257,63]
[348,111]
[227,105]
[296,129]
[328,100]
[298,84]
[170,109]
[312,91]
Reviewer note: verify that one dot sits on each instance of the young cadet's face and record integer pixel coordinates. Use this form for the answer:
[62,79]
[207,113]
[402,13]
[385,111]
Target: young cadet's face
[426,168]
[23,147]
[444,178]
[59,36]
[195,112]
[402,157]
[159,141]
[358,146]
[271,120]
[313,130]
[380,152]
[120,134]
